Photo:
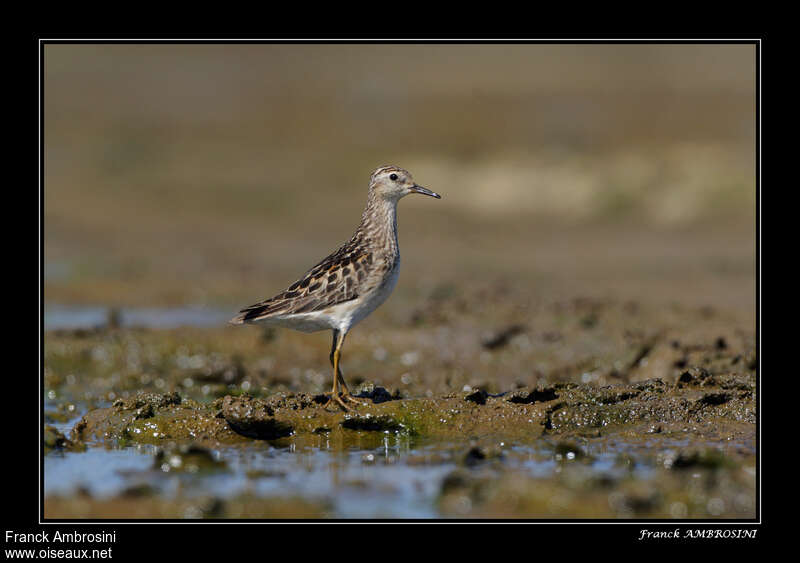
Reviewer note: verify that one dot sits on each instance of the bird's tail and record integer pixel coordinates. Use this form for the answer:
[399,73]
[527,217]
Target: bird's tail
[253,313]
[239,319]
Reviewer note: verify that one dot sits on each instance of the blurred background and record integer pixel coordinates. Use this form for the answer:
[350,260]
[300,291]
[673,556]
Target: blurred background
[214,175]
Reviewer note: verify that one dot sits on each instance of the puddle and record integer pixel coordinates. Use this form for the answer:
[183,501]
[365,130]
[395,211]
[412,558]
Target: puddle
[401,478]
[357,483]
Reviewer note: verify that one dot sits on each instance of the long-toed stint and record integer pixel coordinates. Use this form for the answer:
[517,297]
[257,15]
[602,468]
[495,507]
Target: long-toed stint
[348,285]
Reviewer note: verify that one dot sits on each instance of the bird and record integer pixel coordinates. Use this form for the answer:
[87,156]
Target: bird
[346,286]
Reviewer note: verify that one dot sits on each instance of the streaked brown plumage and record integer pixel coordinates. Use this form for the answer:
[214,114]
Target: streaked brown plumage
[349,284]
[330,282]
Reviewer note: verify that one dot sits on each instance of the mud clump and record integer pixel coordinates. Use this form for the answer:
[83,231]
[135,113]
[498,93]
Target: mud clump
[696,377]
[377,394]
[529,396]
[290,401]
[478,397]
[558,409]
[582,407]
[152,418]
[253,418]
[714,399]
[151,400]
[613,396]
[651,386]
[55,440]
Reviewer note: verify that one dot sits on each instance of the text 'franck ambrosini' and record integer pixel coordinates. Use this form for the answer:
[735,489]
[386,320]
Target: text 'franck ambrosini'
[61,537]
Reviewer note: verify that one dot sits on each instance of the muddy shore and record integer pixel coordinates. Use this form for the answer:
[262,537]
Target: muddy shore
[596,436]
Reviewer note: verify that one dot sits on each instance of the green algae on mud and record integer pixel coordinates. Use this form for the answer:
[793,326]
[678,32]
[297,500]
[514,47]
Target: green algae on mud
[151,418]
[154,419]
[522,415]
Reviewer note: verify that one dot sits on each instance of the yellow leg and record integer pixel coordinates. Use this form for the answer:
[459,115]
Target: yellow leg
[345,392]
[336,353]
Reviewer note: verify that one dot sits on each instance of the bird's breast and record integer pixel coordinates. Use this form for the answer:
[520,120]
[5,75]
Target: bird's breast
[378,291]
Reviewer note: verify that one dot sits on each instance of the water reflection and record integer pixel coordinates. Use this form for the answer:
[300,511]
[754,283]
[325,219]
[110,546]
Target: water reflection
[358,474]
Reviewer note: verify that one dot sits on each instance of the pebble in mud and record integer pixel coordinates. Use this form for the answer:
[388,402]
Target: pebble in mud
[376,394]
[478,397]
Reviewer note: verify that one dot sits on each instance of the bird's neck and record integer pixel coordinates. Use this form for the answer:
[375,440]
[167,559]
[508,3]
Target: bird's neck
[379,221]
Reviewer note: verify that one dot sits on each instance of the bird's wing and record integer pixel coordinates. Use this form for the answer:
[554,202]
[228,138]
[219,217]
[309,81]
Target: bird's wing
[333,280]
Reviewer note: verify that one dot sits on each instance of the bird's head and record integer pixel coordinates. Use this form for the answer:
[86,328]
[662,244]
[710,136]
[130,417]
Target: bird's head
[392,183]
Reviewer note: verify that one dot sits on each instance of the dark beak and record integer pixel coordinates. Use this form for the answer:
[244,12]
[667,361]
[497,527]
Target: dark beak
[424,191]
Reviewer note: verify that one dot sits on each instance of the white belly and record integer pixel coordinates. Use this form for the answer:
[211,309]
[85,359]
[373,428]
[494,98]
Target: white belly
[372,301]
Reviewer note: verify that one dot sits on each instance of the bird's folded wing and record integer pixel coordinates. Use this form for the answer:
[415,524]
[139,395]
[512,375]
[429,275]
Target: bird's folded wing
[332,281]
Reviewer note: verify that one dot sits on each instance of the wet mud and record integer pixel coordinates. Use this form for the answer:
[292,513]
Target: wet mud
[586,434]
[564,408]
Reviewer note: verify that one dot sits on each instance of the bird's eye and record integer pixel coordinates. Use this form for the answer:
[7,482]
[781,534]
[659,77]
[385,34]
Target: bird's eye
[393,177]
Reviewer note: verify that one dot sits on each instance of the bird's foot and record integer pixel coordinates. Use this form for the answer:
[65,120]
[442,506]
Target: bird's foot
[339,399]
[348,397]
[334,400]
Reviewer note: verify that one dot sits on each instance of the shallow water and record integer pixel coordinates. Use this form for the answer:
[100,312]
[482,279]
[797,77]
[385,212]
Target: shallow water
[60,317]
[356,483]
[388,476]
